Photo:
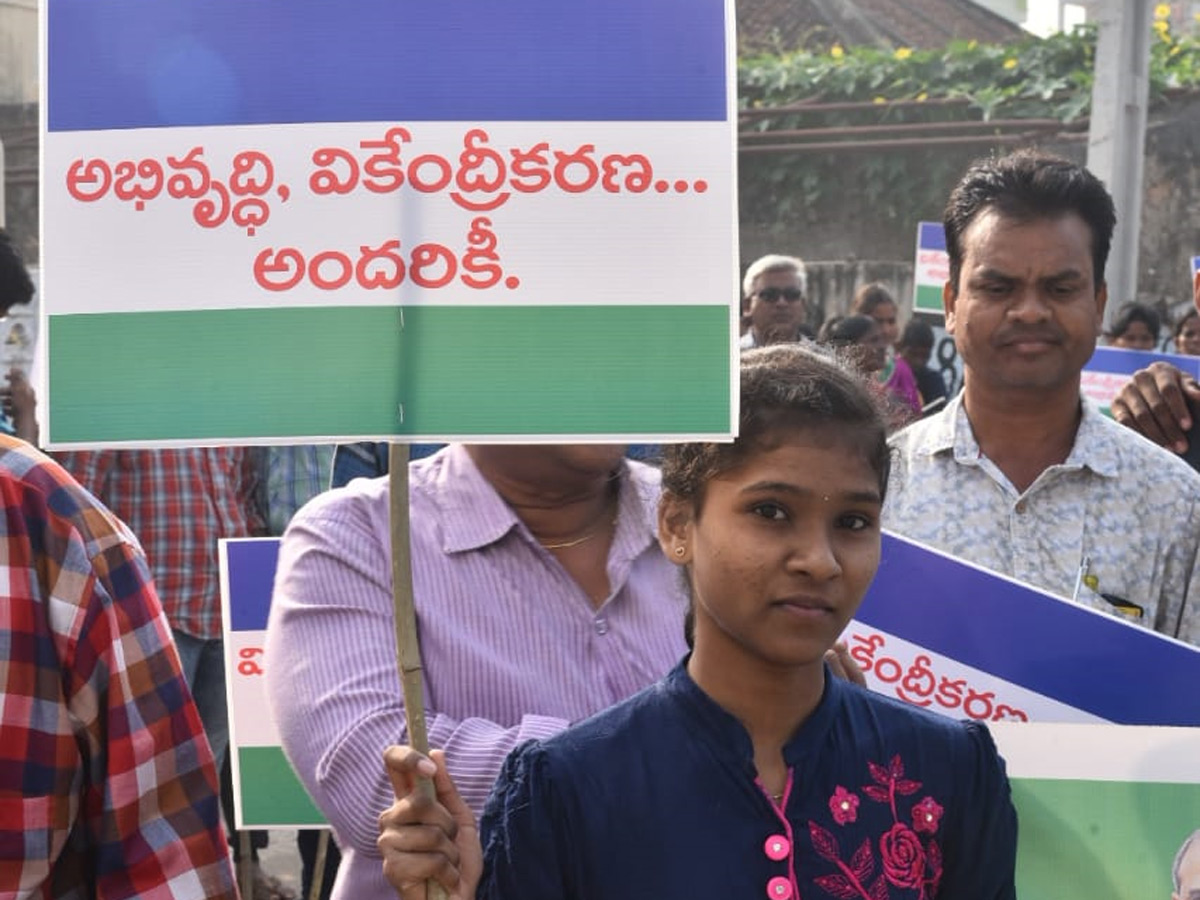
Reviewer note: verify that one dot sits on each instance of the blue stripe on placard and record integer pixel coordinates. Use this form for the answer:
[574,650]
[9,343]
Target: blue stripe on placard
[251,568]
[931,236]
[1118,361]
[160,63]
[1091,661]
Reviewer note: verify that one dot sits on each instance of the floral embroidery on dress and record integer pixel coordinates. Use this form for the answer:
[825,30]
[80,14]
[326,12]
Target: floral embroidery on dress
[844,806]
[906,859]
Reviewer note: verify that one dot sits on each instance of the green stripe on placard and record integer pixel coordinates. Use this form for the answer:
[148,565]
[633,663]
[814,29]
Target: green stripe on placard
[929,299]
[471,371]
[271,792]
[1100,840]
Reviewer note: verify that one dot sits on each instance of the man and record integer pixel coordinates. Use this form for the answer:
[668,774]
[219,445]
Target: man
[180,502]
[773,293]
[1161,402]
[1185,874]
[1018,474]
[107,786]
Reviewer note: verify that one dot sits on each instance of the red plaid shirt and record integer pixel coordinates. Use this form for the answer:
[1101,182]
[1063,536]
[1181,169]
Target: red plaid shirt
[178,503]
[107,784]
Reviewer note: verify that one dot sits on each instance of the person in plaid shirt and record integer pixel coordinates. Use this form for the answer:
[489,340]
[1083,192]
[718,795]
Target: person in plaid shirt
[107,784]
[179,503]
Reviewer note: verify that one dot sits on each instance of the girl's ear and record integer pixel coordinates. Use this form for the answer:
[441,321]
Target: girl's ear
[675,519]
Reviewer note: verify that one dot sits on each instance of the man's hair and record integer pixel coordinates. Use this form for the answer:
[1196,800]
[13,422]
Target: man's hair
[1026,186]
[15,284]
[774,262]
[1178,864]
[917,333]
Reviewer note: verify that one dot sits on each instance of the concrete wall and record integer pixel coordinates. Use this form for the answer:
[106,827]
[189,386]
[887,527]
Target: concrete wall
[18,51]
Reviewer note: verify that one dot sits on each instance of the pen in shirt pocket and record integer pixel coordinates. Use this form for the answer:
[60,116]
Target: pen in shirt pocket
[1085,578]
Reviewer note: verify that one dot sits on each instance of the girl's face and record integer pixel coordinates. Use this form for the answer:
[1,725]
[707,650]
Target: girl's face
[1136,336]
[781,551]
[885,317]
[1188,339]
[871,350]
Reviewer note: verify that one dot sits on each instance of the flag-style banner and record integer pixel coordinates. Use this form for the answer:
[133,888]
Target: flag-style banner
[932,269]
[285,222]
[1110,369]
[1102,809]
[267,793]
[933,631]
[961,640]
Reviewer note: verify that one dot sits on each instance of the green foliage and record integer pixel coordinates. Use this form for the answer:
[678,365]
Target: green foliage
[1035,78]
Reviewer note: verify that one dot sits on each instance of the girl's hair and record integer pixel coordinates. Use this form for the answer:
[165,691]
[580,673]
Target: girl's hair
[1135,312]
[843,331]
[785,388]
[1183,320]
[869,297]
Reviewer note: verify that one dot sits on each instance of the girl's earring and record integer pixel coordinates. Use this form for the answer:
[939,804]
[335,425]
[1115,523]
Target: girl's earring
[679,551]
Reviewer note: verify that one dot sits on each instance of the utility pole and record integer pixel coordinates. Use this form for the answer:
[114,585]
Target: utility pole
[1117,136]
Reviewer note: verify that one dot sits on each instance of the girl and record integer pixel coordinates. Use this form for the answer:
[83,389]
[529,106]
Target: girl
[1135,327]
[1187,334]
[875,301]
[747,771]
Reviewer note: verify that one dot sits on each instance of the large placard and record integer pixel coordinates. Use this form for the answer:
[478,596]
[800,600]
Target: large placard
[286,222]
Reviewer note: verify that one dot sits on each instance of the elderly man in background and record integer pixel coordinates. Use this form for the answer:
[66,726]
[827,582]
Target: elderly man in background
[774,289]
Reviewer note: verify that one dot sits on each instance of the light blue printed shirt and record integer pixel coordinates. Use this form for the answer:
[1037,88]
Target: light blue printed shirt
[1120,517]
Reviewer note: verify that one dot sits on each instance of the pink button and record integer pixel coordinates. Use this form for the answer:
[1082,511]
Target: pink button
[777,847]
[779,888]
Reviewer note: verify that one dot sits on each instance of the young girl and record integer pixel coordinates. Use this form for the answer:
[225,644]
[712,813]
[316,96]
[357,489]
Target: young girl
[875,301]
[747,771]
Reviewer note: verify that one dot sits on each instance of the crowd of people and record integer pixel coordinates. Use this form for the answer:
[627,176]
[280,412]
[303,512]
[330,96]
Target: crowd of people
[634,681]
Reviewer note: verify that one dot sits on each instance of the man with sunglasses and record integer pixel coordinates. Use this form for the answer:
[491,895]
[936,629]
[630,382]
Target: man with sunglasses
[773,292]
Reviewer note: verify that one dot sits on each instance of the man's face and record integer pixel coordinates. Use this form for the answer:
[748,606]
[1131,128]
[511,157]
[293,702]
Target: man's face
[1189,874]
[1027,311]
[776,306]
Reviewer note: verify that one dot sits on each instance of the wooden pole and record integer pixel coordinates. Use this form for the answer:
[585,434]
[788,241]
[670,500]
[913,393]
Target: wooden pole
[408,647]
[318,876]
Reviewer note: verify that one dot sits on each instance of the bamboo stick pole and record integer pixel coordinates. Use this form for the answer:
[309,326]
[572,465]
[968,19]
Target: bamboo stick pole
[408,647]
[318,876]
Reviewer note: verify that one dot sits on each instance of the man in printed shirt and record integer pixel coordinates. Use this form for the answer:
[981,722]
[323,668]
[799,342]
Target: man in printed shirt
[107,785]
[1020,474]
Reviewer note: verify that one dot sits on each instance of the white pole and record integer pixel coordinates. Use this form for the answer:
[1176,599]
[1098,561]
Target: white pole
[1117,136]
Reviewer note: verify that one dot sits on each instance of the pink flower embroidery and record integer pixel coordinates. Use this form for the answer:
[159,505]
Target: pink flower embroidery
[926,815]
[844,806]
[903,856]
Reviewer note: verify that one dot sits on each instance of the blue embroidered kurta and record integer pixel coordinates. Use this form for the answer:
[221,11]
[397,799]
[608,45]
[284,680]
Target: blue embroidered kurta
[657,798]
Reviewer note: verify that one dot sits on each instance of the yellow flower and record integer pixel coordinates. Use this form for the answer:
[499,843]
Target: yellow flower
[972,43]
[1161,27]
[836,51]
[922,97]
[903,52]
[880,100]
[1162,11]
[1010,63]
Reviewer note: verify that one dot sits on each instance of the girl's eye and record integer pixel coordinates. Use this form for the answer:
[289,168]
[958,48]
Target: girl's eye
[856,522]
[771,511]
